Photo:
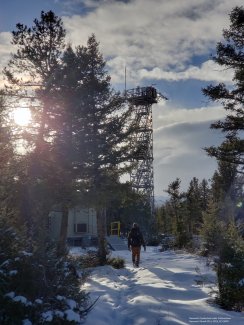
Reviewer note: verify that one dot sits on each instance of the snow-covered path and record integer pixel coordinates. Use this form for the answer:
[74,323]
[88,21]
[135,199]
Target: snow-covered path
[163,291]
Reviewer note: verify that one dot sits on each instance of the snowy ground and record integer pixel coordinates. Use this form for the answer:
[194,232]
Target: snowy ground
[168,288]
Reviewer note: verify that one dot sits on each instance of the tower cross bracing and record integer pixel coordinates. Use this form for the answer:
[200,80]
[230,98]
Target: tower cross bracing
[142,176]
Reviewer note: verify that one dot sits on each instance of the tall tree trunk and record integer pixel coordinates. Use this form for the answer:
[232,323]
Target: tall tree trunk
[101,231]
[67,178]
[63,230]
[26,214]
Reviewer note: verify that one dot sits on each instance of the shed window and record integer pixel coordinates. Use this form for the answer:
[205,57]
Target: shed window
[81,227]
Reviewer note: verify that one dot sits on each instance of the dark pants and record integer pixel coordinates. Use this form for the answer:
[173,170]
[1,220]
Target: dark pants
[136,254]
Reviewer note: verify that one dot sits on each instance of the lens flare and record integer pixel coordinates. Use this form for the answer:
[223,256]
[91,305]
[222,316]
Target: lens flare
[22,116]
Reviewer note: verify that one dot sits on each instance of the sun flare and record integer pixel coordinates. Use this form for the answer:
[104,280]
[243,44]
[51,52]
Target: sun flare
[22,116]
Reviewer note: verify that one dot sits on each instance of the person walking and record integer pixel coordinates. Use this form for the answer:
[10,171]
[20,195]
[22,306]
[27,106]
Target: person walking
[135,241]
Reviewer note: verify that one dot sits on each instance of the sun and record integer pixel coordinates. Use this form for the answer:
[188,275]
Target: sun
[22,116]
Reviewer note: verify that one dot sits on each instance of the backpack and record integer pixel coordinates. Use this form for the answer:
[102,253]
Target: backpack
[135,238]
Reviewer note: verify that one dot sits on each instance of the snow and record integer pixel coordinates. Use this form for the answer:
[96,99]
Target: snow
[13,272]
[7,262]
[39,301]
[47,316]
[26,253]
[60,298]
[59,313]
[10,294]
[72,316]
[71,303]
[168,288]
[21,299]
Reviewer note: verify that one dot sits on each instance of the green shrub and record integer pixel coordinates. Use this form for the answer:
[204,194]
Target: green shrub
[37,284]
[116,262]
[90,259]
[230,271]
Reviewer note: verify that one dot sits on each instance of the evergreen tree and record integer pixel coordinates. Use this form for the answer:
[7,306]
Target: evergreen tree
[240,203]
[230,269]
[164,219]
[222,236]
[30,75]
[211,229]
[34,284]
[31,71]
[6,160]
[230,155]
[230,55]
[193,200]
[36,180]
[204,194]
[97,126]
[226,190]
[179,213]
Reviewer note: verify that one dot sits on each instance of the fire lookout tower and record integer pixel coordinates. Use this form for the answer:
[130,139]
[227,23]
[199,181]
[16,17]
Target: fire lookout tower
[141,177]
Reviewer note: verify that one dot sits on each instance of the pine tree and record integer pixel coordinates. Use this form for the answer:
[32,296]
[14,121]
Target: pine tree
[230,269]
[230,156]
[226,189]
[164,219]
[204,194]
[36,179]
[91,141]
[193,199]
[7,156]
[31,71]
[33,284]
[179,213]
[30,75]
[222,236]
[230,56]
[211,229]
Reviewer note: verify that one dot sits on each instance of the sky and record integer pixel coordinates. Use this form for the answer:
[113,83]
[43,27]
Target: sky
[164,43]
[169,287]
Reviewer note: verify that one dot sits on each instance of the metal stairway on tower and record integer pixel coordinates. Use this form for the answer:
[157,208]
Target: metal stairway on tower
[142,176]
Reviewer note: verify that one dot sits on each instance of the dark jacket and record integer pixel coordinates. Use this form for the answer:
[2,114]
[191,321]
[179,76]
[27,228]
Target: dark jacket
[135,238]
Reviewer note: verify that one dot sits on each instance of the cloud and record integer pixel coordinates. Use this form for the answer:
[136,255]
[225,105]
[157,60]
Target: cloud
[154,39]
[179,152]
[156,36]
[179,138]
[208,71]
[164,115]
[5,50]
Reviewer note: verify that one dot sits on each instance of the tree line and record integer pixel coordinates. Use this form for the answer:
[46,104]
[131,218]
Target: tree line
[213,210]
